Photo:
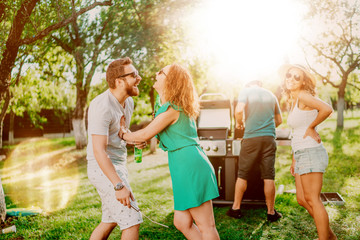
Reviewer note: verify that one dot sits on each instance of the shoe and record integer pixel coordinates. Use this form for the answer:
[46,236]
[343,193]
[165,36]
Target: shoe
[274,217]
[234,213]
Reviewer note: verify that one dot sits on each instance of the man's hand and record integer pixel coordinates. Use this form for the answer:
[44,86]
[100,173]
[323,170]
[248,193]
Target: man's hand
[124,196]
[239,125]
[311,132]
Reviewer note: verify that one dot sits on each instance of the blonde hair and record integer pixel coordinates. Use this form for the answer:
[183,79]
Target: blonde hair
[180,90]
[309,86]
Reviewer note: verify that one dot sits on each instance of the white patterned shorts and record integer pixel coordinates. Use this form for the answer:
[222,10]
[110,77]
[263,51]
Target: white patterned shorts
[112,209]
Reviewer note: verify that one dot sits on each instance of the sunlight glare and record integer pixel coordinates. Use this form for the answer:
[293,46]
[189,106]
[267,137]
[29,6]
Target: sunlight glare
[36,176]
[248,39]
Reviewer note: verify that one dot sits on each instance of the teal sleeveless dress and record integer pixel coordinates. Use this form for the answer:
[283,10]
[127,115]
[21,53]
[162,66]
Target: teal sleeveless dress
[192,175]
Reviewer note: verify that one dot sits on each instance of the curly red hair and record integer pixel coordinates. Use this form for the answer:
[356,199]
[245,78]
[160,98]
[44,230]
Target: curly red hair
[180,90]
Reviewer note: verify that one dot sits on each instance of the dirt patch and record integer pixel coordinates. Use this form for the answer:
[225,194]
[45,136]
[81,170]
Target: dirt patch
[9,221]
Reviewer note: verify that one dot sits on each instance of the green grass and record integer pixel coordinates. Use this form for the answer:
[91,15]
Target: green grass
[51,175]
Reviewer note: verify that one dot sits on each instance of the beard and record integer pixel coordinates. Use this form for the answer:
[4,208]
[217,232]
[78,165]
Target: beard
[132,90]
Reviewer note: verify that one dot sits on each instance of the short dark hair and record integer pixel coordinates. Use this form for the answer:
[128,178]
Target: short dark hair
[254,82]
[116,69]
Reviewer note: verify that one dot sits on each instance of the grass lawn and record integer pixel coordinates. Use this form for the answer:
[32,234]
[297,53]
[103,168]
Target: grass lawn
[51,175]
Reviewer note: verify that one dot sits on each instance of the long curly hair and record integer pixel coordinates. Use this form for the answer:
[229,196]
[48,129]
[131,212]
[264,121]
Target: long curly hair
[309,87]
[179,89]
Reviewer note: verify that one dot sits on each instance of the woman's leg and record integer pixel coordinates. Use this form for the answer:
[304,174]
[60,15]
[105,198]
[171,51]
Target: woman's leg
[300,195]
[204,219]
[184,222]
[301,200]
[312,183]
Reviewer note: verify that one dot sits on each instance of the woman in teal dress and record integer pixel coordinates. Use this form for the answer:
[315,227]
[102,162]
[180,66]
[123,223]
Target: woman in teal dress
[192,175]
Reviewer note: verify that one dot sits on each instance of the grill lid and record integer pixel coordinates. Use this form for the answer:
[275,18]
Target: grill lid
[214,113]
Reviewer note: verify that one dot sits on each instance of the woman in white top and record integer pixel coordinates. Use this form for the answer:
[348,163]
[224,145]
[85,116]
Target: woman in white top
[310,158]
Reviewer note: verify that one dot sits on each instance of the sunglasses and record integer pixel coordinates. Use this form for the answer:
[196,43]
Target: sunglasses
[162,72]
[296,76]
[134,74]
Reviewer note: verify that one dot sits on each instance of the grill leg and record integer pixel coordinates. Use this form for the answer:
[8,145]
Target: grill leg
[230,178]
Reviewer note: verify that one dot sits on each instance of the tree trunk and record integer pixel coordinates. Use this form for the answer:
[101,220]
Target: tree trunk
[2,117]
[13,43]
[340,113]
[2,203]
[11,128]
[3,113]
[341,102]
[152,98]
[78,120]
[79,133]
[153,143]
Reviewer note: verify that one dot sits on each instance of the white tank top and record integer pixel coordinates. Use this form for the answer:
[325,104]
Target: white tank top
[299,120]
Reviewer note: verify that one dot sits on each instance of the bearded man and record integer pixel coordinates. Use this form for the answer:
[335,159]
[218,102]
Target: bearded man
[107,153]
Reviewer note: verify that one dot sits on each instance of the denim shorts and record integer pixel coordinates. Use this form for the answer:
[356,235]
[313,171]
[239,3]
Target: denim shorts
[310,160]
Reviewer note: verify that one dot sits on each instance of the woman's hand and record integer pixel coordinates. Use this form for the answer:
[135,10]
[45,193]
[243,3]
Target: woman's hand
[311,132]
[123,129]
[140,145]
[292,167]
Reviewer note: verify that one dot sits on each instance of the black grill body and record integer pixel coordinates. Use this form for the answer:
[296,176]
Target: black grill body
[214,131]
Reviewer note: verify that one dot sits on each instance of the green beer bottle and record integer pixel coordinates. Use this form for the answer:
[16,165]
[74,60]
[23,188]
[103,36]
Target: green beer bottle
[138,154]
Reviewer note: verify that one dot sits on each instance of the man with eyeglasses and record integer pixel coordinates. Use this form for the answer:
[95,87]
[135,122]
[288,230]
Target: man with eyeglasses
[262,116]
[107,153]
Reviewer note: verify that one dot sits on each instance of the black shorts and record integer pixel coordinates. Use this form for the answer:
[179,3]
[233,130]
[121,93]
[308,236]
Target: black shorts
[257,150]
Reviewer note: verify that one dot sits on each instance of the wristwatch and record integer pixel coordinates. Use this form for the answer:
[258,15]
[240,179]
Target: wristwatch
[119,186]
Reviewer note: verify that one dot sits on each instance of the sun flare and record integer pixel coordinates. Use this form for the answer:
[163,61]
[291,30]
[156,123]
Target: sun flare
[37,176]
[246,39]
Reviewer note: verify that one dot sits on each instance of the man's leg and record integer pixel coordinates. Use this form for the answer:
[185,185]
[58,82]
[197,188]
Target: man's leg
[248,156]
[269,191]
[102,231]
[267,167]
[240,188]
[131,233]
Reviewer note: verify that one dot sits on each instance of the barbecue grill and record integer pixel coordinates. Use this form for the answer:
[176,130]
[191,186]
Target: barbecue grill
[215,131]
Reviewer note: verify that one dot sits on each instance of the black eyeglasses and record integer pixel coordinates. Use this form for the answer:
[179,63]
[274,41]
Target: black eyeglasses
[162,72]
[296,76]
[134,74]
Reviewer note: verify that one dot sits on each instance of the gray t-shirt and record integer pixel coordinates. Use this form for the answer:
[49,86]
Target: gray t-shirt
[104,116]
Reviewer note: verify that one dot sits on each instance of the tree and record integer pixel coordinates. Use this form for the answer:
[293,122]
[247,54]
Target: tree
[19,28]
[129,28]
[336,46]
